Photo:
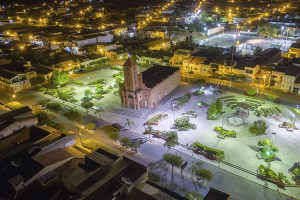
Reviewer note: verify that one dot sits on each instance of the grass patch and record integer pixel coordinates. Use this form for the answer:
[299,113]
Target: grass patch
[296,170]
[14,105]
[297,110]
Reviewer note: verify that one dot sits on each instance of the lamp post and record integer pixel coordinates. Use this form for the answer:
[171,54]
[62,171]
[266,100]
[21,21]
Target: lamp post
[134,31]
[248,33]
[79,133]
[11,99]
[234,36]
[264,80]
[282,33]
[231,61]
[287,35]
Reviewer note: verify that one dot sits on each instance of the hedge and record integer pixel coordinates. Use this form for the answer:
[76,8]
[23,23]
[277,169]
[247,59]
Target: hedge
[224,131]
[94,146]
[208,149]
[256,98]
[264,112]
[157,118]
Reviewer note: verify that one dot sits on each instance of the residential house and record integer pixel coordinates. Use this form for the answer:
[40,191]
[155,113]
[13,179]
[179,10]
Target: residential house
[14,120]
[157,44]
[291,79]
[293,52]
[117,54]
[180,56]
[15,76]
[102,174]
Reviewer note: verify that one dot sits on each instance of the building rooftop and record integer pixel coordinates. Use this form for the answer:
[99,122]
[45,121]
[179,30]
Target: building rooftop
[292,71]
[14,113]
[52,157]
[6,74]
[295,45]
[214,194]
[157,74]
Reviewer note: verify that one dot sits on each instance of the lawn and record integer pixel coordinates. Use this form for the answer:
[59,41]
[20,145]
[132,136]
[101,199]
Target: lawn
[296,170]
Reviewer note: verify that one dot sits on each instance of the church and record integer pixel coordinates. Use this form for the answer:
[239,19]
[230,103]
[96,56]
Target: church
[149,87]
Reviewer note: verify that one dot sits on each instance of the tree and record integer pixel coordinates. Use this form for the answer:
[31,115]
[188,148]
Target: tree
[99,110]
[73,115]
[99,88]
[149,130]
[204,174]
[88,94]
[73,101]
[125,141]
[206,17]
[129,123]
[251,92]
[90,126]
[42,118]
[223,19]
[135,145]
[219,105]
[267,29]
[119,80]
[59,78]
[62,128]
[54,107]
[212,110]
[257,50]
[42,89]
[114,136]
[87,105]
[173,160]
[201,81]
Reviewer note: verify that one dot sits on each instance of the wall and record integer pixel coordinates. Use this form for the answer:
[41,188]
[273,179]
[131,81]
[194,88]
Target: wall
[153,95]
[288,83]
[83,42]
[107,38]
[214,30]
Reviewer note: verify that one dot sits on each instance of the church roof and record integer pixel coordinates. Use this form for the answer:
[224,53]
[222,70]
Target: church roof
[129,62]
[157,74]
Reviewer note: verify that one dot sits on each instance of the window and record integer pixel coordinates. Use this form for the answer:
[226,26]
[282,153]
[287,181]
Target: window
[249,71]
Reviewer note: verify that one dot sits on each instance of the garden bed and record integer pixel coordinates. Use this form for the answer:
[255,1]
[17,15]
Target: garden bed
[222,133]
[190,114]
[271,176]
[156,119]
[205,150]
[198,93]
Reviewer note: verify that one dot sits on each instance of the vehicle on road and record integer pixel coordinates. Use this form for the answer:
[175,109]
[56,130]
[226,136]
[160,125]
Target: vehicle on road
[139,140]
[117,126]
[41,107]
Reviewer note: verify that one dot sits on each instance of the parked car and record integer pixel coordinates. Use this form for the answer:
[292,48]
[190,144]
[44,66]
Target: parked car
[139,140]
[117,126]
[41,107]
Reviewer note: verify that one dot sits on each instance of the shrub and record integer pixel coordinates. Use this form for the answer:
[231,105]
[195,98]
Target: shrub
[184,99]
[251,92]
[90,126]
[76,82]
[259,127]
[88,69]
[207,149]
[278,109]
[94,146]
[116,67]
[265,113]
[218,128]
[157,118]
[198,92]
[154,177]
[42,89]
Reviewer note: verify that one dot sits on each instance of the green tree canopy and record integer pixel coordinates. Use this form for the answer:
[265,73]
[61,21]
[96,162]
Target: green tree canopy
[114,136]
[219,105]
[54,107]
[129,123]
[42,118]
[257,50]
[206,17]
[173,160]
[90,126]
[135,145]
[125,141]
[212,110]
[87,105]
[73,115]
[204,174]
[267,29]
[251,92]
[59,78]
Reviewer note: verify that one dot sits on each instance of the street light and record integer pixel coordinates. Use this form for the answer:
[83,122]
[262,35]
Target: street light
[264,79]
[234,36]
[287,34]
[11,99]
[248,32]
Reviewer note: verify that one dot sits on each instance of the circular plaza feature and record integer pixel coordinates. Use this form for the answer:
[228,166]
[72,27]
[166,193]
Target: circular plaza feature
[235,121]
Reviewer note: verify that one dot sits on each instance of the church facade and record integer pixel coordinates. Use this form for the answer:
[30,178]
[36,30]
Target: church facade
[149,87]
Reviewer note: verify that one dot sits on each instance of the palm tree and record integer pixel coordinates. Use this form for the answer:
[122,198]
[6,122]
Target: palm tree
[150,130]
[129,123]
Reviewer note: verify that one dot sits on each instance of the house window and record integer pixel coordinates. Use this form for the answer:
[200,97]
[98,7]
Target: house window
[249,71]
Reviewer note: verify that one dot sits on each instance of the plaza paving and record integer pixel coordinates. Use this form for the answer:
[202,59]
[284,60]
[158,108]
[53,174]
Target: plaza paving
[240,151]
